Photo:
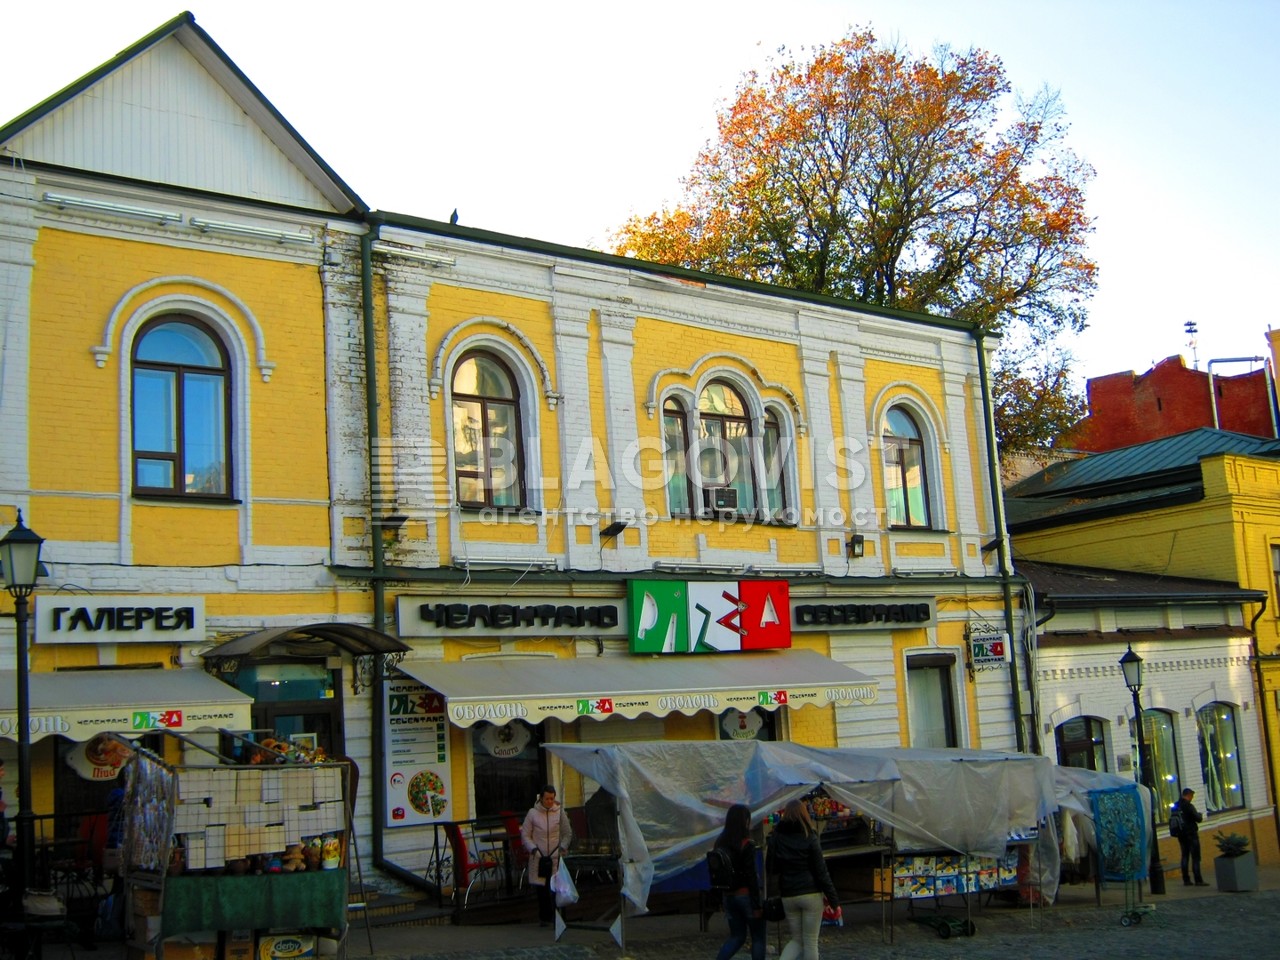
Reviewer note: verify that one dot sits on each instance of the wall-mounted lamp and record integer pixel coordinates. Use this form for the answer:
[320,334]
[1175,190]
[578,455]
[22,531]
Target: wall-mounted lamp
[64,202]
[612,530]
[249,230]
[857,545]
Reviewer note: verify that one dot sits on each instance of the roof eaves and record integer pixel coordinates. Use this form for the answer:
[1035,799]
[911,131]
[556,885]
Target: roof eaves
[529,244]
[1088,510]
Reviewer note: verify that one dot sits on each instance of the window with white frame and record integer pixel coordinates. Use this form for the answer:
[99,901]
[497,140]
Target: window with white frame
[488,446]
[725,464]
[773,491]
[931,703]
[181,400]
[906,480]
[1219,757]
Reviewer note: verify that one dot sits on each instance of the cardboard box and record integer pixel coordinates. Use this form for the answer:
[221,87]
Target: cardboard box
[238,945]
[196,947]
[287,946]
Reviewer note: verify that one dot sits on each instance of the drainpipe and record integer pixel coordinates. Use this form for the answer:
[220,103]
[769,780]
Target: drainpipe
[1002,538]
[1262,701]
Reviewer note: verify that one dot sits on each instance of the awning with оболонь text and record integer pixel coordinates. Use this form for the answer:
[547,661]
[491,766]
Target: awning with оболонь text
[535,688]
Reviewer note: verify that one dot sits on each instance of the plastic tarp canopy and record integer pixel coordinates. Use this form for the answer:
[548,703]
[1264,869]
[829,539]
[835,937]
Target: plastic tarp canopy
[672,796]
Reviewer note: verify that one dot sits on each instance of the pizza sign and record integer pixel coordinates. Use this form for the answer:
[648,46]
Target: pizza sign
[719,616]
[601,705]
[150,719]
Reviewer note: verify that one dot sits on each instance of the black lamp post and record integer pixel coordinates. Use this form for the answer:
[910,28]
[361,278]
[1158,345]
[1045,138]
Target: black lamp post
[20,556]
[1131,666]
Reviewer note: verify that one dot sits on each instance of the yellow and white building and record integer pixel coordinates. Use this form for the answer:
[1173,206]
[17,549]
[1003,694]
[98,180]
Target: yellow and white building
[434,496]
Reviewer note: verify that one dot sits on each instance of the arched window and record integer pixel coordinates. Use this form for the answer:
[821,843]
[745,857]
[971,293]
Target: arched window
[905,481]
[1219,757]
[724,449]
[774,493]
[1082,743]
[181,399]
[1161,759]
[675,453]
[488,454]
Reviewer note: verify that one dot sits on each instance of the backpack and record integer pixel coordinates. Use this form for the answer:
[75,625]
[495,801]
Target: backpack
[720,869]
[1175,822]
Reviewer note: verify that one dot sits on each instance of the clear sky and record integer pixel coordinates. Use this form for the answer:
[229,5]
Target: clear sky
[558,119]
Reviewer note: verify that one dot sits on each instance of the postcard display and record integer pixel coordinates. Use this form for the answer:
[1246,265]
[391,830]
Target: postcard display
[234,847]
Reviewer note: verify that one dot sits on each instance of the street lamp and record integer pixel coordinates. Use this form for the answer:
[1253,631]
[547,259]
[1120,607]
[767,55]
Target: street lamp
[20,557]
[1131,667]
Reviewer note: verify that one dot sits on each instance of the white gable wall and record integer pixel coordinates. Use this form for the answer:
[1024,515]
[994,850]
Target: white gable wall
[162,118]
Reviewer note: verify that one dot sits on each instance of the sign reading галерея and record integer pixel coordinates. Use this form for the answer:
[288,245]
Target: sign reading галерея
[503,617]
[64,618]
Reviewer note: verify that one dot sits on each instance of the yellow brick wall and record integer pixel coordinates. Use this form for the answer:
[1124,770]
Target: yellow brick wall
[78,403]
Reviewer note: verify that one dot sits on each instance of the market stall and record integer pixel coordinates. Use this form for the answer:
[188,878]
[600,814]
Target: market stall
[671,798]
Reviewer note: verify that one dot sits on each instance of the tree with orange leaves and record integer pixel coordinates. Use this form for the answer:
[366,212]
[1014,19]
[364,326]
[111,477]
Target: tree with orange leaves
[861,172]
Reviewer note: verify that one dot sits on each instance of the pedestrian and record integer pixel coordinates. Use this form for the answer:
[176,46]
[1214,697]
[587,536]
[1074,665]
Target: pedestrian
[1189,838]
[546,834]
[795,855]
[743,908]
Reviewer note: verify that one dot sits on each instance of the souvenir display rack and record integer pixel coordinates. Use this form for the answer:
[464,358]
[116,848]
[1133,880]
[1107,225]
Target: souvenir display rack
[212,846]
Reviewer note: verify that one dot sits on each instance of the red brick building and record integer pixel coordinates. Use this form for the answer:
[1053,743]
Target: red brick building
[1128,408]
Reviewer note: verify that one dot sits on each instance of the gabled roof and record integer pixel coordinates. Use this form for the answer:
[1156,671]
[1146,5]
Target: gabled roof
[176,85]
[1144,466]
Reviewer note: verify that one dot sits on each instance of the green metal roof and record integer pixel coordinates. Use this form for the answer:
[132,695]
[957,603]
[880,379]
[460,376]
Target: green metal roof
[1144,466]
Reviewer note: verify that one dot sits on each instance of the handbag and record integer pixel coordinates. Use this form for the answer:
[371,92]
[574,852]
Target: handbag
[774,910]
[546,865]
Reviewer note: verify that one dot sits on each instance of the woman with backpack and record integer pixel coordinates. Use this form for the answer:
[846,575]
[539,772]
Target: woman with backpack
[742,906]
[795,855]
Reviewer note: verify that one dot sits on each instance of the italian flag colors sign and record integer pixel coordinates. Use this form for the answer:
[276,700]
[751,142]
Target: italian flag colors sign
[708,616]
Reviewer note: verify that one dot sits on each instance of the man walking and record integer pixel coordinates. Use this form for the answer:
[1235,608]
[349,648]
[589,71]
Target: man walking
[1189,838]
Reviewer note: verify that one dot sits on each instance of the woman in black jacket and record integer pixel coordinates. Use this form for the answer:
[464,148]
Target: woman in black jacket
[742,906]
[795,855]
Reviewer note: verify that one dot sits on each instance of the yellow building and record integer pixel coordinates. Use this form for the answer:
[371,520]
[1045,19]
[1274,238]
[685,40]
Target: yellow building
[1206,505]
[435,496]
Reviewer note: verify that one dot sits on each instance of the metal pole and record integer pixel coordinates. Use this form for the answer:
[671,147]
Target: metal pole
[1155,872]
[25,821]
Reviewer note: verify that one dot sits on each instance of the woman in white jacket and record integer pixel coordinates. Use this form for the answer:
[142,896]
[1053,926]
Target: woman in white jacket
[546,834]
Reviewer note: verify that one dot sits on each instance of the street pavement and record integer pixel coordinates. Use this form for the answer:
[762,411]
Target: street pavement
[1197,923]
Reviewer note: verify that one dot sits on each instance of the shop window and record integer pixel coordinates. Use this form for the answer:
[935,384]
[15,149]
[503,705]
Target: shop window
[931,712]
[296,700]
[181,399]
[1160,759]
[1219,757]
[724,449]
[1082,743]
[1275,570]
[508,767]
[488,447]
[906,480]
[675,454]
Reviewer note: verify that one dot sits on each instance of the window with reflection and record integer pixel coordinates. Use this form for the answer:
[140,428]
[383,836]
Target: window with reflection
[675,453]
[488,455]
[1161,758]
[773,492]
[905,479]
[1082,743]
[724,444]
[1219,757]
[181,398]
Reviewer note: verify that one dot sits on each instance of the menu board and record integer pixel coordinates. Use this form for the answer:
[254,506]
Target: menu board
[419,786]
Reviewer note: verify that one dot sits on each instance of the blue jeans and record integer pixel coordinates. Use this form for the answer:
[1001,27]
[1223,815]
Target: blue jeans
[737,910]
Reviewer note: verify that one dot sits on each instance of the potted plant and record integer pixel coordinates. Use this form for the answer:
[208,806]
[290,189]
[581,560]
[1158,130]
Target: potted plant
[1235,869]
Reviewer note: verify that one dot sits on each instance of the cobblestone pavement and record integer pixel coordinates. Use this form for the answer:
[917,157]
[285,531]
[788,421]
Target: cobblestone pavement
[1202,928]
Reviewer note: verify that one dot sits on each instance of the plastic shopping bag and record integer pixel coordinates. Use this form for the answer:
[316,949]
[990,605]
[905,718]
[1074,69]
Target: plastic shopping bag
[832,916]
[562,885]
